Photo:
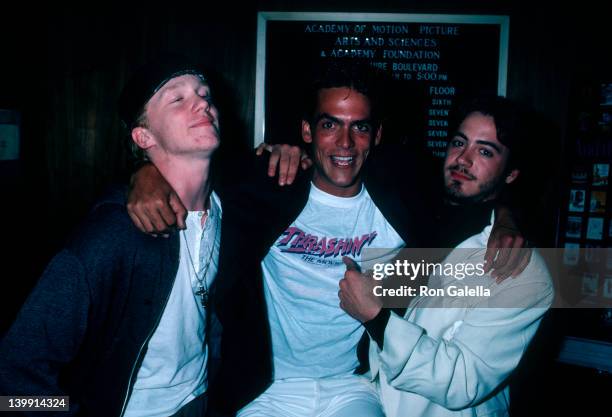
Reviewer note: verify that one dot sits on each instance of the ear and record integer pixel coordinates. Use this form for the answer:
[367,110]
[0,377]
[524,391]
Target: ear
[143,138]
[378,135]
[512,176]
[306,132]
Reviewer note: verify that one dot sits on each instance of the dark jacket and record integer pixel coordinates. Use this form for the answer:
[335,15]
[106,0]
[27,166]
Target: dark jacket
[83,330]
[255,213]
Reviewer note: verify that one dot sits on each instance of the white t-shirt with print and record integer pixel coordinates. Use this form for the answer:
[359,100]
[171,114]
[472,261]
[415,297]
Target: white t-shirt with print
[312,337]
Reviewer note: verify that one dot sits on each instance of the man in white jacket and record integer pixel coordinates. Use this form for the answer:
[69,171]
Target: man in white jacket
[451,354]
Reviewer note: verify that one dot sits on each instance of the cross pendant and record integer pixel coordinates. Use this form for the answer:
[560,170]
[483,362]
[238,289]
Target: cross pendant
[203,294]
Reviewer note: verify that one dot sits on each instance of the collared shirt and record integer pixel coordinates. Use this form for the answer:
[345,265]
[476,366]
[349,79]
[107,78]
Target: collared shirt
[451,356]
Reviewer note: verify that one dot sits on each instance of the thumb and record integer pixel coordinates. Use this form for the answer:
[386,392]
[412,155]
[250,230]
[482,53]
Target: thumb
[351,265]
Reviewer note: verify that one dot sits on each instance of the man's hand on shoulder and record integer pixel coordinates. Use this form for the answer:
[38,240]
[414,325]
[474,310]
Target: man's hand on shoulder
[286,159]
[507,251]
[153,205]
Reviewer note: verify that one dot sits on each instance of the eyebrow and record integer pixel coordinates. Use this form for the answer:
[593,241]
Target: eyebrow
[167,89]
[481,142]
[322,116]
[328,116]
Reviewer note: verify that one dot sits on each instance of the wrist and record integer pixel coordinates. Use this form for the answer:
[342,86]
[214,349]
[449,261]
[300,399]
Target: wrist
[373,313]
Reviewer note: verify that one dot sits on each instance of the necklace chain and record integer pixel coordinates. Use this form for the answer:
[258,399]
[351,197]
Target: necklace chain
[202,290]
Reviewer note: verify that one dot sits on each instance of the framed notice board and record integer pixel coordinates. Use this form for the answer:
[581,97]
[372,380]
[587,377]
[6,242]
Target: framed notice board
[431,58]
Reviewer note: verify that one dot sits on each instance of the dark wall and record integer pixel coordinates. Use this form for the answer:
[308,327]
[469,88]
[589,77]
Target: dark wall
[63,69]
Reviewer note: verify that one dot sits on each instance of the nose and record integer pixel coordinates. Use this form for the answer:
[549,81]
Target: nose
[345,138]
[200,103]
[465,157]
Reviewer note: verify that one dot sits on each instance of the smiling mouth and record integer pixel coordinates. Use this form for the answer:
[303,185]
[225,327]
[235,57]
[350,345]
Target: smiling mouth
[343,161]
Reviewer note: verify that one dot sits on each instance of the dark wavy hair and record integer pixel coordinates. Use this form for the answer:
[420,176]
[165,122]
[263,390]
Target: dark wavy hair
[510,123]
[356,76]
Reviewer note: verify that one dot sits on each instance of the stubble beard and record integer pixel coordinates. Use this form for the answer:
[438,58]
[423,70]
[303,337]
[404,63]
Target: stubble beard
[486,191]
